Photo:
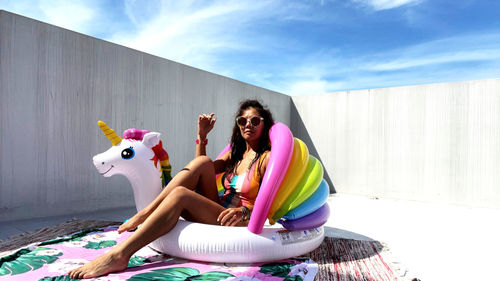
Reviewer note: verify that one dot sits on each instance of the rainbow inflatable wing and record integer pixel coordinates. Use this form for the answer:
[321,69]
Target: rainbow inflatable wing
[300,202]
[293,191]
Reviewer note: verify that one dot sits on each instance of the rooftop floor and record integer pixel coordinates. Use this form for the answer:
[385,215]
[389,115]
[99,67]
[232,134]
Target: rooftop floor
[432,241]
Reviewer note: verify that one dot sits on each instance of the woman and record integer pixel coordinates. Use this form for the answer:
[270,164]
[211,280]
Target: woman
[192,193]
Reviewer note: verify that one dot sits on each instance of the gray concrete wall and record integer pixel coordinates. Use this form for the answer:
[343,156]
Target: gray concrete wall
[438,143]
[56,84]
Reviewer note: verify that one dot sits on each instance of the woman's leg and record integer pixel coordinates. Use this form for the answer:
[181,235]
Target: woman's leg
[161,221]
[198,175]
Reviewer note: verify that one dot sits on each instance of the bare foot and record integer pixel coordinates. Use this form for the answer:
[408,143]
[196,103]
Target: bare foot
[107,263]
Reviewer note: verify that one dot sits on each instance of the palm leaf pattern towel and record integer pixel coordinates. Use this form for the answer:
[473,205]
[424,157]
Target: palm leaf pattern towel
[51,260]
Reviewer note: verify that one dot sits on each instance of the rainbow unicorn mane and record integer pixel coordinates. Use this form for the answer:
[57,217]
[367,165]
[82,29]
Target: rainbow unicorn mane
[161,154]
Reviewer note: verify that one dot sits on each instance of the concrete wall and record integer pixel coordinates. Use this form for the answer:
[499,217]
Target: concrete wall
[56,84]
[438,143]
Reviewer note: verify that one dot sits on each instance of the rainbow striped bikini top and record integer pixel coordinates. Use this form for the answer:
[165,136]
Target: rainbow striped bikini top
[240,190]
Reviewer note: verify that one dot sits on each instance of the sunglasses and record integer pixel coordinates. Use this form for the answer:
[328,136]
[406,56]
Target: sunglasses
[254,121]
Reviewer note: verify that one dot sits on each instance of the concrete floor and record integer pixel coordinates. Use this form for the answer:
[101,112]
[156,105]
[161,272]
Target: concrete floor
[431,241]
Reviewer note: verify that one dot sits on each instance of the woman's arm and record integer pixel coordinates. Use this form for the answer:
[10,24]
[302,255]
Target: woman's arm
[205,125]
[201,147]
[221,163]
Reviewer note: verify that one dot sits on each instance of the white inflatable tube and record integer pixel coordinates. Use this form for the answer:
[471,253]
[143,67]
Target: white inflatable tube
[212,243]
[196,241]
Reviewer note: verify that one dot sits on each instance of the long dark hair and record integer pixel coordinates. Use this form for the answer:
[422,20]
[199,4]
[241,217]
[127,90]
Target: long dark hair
[238,144]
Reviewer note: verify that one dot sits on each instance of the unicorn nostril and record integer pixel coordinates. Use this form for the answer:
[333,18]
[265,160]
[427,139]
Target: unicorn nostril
[103,163]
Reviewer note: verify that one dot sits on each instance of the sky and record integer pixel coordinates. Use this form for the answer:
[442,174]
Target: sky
[298,47]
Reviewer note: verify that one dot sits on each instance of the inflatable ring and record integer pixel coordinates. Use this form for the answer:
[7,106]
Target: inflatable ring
[214,243]
[144,162]
[314,202]
[281,153]
[296,169]
[307,186]
[314,219]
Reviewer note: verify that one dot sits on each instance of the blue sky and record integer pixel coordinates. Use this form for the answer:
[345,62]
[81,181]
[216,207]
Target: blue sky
[298,47]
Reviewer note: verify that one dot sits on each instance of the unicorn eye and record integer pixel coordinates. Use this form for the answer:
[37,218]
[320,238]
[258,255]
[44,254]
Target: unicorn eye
[128,153]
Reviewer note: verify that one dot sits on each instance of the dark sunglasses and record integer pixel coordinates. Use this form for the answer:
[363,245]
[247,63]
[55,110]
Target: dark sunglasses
[254,121]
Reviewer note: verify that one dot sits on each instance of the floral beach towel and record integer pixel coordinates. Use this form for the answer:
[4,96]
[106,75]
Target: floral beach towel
[51,260]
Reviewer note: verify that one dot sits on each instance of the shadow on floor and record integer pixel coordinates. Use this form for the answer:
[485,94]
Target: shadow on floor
[342,246]
[342,233]
[350,259]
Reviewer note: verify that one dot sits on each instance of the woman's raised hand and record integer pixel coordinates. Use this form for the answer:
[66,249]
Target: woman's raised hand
[205,124]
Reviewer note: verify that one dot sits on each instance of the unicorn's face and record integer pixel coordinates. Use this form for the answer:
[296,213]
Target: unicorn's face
[126,156]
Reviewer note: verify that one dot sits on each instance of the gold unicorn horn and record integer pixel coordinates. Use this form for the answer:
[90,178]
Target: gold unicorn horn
[110,133]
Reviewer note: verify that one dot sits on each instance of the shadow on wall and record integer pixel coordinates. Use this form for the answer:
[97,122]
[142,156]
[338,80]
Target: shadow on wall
[299,130]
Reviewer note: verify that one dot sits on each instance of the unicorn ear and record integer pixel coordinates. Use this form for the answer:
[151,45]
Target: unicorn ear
[151,139]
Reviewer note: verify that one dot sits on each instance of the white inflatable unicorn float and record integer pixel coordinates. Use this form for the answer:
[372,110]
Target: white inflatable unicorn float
[140,157]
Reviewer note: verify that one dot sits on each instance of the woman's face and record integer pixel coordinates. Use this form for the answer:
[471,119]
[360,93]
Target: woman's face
[249,131]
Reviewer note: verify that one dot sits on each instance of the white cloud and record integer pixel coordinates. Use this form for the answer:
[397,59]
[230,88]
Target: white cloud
[318,86]
[77,15]
[379,5]
[436,61]
[316,73]
[202,33]
[433,59]
[466,48]
[189,33]
[74,15]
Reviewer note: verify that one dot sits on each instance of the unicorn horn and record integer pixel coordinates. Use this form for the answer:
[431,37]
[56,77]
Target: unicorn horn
[110,133]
